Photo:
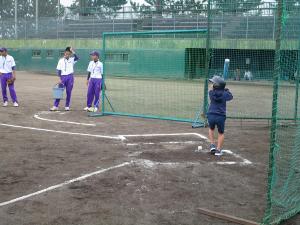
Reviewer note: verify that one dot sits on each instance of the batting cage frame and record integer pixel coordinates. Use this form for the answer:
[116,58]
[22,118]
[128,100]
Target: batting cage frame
[281,107]
[106,99]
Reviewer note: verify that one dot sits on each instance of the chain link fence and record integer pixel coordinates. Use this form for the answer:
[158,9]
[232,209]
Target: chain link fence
[254,22]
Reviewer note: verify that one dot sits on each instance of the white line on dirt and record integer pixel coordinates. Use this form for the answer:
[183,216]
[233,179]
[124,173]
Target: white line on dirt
[171,134]
[38,116]
[64,184]
[121,138]
[149,163]
[226,163]
[244,161]
[166,142]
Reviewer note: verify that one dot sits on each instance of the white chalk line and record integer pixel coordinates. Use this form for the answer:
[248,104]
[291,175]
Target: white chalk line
[170,134]
[64,184]
[115,137]
[163,143]
[121,138]
[244,160]
[37,116]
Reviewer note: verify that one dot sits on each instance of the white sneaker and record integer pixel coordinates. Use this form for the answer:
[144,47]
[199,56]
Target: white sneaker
[218,153]
[54,108]
[91,109]
[67,108]
[5,104]
[95,109]
[86,109]
[16,104]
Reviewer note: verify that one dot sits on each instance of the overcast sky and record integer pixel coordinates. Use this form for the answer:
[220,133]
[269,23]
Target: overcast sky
[69,2]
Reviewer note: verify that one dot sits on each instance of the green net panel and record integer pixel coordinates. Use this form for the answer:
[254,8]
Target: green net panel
[284,172]
[244,33]
[154,74]
[164,74]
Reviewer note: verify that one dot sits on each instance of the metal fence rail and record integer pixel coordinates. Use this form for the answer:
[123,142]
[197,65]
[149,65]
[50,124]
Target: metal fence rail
[92,22]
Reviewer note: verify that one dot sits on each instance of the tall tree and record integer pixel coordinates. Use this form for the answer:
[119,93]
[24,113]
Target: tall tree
[87,7]
[177,6]
[236,6]
[292,5]
[25,15]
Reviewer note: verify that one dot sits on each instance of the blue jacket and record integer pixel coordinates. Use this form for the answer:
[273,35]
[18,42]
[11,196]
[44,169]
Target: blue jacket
[218,99]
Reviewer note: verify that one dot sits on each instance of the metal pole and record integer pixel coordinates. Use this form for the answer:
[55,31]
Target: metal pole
[36,16]
[16,19]
[57,20]
[297,93]
[207,59]
[247,26]
[58,8]
[104,72]
[93,27]
[174,23]
[25,29]
[297,78]
[222,24]
[274,25]
[131,16]
[113,24]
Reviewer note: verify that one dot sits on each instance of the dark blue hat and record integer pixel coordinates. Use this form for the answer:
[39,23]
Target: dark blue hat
[95,53]
[2,49]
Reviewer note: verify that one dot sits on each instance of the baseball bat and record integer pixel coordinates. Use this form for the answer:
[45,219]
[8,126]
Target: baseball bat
[226,69]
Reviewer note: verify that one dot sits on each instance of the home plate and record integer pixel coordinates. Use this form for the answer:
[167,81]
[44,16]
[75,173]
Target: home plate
[238,158]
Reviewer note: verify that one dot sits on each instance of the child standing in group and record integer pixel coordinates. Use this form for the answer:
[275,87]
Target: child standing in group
[216,115]
[8,77]
[65,71]
[94,82]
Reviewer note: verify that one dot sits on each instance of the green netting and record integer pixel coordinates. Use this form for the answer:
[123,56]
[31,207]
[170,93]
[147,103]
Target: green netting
[251,70]
[164,75]
[149,74]
[284,173]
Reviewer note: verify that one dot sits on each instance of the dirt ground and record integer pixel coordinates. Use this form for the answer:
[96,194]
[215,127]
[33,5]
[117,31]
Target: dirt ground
[165,181]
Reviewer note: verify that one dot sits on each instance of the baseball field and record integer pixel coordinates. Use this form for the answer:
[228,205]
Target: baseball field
[68,168]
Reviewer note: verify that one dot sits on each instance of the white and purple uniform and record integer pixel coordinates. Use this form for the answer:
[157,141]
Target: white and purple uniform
[7,65]
[95,70]
[65,70]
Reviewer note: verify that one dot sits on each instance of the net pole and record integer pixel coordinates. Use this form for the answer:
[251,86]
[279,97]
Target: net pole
[207,59]
[104,74]
[16,19]
[273,135]
[297,77]
[36,16]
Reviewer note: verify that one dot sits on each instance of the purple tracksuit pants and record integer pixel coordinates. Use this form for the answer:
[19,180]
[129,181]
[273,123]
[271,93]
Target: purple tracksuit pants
[13,95]
[93,93]
[68,82]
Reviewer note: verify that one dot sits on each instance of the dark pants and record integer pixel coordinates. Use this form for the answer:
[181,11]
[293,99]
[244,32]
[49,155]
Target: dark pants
[216,120]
